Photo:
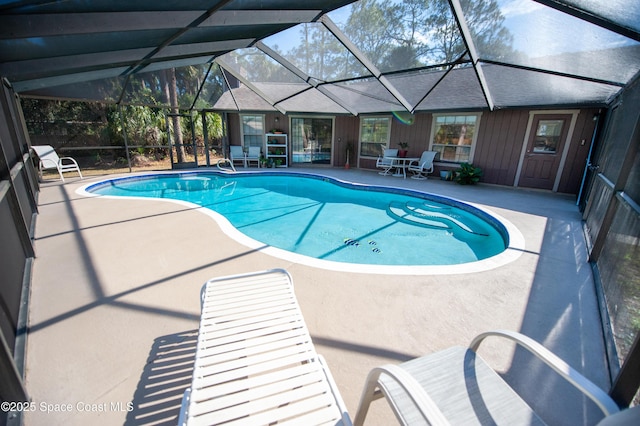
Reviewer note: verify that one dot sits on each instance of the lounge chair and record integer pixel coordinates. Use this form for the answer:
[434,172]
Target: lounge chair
[48,159]
[385,162]
[424,166]
[456,386]
[236,154]
[255,362]
[253,155]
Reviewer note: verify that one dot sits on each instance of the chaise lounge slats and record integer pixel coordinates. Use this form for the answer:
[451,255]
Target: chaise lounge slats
[255,361]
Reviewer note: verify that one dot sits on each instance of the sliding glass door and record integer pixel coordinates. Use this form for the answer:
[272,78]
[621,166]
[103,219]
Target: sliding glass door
[311,140]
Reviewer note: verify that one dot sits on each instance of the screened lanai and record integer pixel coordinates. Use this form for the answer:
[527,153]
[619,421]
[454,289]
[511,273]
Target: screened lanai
[338,57]
[408,59]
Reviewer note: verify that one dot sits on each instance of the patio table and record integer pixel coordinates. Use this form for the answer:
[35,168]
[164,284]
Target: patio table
[401,164]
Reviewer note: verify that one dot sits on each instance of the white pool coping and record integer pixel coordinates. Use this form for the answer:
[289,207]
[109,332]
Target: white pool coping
[511,253]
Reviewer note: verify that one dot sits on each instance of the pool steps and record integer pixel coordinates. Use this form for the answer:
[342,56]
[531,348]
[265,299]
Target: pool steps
[414,214]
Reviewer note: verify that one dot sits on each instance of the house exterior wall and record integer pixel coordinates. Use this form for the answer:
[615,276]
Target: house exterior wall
[578,152]
[499,145]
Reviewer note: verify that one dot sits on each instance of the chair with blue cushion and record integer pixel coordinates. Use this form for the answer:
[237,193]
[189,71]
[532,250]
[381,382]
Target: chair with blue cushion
[236,154]
[253,155]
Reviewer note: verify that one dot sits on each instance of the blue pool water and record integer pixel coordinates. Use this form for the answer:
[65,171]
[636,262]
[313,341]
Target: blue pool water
[330,220]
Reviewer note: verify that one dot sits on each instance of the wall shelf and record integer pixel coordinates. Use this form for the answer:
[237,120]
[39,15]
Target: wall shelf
[277,149]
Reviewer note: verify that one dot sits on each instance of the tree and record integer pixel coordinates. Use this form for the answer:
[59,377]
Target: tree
[171,97]
[412,33]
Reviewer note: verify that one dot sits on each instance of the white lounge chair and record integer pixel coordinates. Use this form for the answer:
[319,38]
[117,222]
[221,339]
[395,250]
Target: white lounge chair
[236,154]
[456,386]
[253,155]
[385,162]
[255,363]
[48,159]
[424,166]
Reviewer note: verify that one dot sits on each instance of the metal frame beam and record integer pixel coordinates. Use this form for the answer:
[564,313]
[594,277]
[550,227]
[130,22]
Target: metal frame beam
[360,56]
[590,17]
[206,15]
[220,61]
[302,75]
[458,14]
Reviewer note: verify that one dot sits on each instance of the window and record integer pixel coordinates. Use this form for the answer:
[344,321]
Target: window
[374,135]
[548,136]
[252,130]
[454,136]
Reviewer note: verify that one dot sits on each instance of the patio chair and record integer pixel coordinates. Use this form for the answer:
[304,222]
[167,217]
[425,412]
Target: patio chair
[456,386]
[48,159]
[253,155]
[386,163]
[236,153]
[255,362]
[424,166]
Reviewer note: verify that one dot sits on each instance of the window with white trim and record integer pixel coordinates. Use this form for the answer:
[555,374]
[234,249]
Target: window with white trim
[374,135]
[252,130]
[454,136]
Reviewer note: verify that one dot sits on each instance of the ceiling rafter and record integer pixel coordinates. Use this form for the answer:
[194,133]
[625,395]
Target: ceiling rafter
[585,15]
[556,73]
[177,34]
[302,75]
[47,44]
[59,24]
[284,62]
[228,68]
[360,56]
[226,82]
[471,48]
[450,68]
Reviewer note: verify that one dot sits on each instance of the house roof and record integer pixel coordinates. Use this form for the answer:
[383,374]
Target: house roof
[323,56]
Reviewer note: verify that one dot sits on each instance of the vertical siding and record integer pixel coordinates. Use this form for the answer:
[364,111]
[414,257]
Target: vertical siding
[416,134]
[578,152]
[270,122]
[499,144]
[347,129]
[233,124]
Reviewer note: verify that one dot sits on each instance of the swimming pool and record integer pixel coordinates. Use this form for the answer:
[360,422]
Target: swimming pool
[330,223]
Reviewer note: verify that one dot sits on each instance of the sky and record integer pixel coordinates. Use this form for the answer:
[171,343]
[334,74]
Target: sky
[538,30]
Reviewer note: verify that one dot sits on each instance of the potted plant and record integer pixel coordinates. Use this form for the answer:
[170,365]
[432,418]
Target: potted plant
[447,174]
[468,174]
[402,152]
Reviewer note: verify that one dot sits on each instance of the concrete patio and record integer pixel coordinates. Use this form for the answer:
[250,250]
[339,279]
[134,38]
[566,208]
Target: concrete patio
[114,304]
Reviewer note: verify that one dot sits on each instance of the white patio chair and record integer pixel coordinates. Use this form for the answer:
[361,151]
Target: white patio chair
[48,159]
[255,363]
[236,154]
[253,155]
[456,386]
[386,163]
[424,166]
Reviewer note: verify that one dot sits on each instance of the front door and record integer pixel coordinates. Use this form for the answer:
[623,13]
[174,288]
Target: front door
[544,150]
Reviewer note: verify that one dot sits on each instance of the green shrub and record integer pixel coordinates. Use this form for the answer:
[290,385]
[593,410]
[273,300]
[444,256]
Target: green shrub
[468,174]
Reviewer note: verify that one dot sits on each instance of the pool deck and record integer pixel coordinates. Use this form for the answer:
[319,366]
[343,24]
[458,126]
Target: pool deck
[114,304]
